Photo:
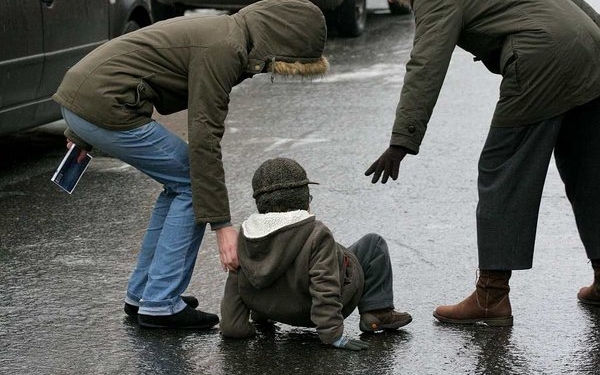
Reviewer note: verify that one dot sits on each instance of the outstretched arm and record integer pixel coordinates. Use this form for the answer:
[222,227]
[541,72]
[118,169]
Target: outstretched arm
[438,27]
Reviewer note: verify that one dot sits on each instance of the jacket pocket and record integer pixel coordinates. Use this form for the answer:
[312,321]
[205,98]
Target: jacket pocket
[509,68]
[143,92]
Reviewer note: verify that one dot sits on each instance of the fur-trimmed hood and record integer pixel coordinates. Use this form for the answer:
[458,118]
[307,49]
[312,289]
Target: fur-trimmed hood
[286,36]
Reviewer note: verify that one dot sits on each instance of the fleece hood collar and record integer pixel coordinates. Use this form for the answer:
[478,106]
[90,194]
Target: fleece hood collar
[261,225]
[271,242]
[286,35]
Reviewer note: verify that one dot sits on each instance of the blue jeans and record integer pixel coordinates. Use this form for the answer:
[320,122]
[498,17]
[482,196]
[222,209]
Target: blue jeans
[170,246]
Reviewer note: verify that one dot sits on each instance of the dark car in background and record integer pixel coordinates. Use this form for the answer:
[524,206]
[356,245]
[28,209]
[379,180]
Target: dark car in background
[347,16]
[41,39]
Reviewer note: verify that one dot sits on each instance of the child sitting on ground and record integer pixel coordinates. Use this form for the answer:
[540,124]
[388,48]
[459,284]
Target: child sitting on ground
[292,271]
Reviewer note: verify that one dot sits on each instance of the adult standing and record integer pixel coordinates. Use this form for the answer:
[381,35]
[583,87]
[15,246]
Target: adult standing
[191,63]
[548,53]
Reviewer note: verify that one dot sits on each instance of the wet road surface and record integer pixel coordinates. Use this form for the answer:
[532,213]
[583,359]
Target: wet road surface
[65,259]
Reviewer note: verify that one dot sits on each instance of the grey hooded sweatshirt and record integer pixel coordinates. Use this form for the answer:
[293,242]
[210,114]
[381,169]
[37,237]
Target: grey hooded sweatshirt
[291,271]
[192,63]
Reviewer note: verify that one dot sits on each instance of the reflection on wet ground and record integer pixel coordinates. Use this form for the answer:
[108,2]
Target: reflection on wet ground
[65,260]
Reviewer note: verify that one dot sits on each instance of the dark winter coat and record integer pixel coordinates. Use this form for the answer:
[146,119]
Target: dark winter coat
[292,272]
[547,51]
[193,62]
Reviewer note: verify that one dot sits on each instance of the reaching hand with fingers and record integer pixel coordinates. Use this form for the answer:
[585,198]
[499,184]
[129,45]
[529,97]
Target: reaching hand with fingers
[388,164]
[227,241]
[344,342]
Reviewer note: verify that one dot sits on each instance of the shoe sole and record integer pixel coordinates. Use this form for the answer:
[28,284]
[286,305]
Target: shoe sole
[383,327]
[132,311]
[494,322]
[158,326]
[589,301]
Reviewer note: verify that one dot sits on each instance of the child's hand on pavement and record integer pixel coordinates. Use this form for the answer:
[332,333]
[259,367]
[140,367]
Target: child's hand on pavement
[344,342]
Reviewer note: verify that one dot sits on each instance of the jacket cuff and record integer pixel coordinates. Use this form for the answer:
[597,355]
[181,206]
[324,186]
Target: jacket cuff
[78,141]
[220,224]
[408,143]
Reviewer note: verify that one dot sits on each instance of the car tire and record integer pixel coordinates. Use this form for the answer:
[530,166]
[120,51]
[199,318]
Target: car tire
[397,8]
[130,26]
[351,18]
[162,11]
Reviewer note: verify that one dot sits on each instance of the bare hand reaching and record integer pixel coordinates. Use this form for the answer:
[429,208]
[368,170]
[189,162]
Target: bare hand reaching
[227,238]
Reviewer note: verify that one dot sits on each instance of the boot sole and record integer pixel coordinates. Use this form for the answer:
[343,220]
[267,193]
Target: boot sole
[494,322]
[589,301]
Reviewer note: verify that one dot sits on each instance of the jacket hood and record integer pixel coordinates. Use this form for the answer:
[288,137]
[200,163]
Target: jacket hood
[270,242]
[286,35]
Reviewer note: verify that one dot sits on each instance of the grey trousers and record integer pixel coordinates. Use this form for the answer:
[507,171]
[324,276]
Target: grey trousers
[512,171]
[374,258]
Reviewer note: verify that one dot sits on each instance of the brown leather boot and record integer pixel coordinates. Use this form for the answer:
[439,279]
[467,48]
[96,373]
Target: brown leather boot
[488,304]
[591,294]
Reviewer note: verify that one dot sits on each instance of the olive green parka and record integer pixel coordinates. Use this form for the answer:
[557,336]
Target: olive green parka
[192,63]
[547,51]
[291,271]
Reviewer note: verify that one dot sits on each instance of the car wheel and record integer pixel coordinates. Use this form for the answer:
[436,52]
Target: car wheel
[162,11]
[398,8]
[351,17]
[131,26]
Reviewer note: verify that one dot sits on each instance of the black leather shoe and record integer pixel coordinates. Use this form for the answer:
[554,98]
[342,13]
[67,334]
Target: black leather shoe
[188,318]
[132,310]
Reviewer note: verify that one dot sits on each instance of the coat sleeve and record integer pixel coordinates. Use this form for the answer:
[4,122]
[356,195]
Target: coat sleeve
[587,9]
[438,27]
[235,315]
[325,288]
[212,74]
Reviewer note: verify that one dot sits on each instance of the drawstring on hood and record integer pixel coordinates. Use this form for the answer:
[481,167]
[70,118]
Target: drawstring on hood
[271,69]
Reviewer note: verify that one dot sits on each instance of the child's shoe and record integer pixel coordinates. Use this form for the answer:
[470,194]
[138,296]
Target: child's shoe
[384,319]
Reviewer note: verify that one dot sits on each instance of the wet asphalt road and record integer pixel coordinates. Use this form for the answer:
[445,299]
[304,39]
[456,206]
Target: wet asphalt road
[65,260]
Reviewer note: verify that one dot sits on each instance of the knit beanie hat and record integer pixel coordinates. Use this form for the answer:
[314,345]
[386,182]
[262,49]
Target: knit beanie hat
[280,185]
